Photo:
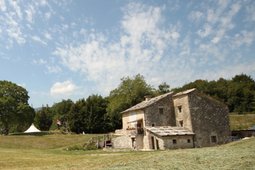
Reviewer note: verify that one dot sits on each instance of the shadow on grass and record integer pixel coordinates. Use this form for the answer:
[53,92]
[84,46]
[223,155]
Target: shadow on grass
[31,133]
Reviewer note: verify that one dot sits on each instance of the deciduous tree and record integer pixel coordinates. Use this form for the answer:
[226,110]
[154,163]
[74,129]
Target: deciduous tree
[15,112]
[130,92]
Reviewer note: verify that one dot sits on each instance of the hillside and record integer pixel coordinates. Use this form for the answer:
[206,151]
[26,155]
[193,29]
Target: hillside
[52,155]
[238,122]
[42,142]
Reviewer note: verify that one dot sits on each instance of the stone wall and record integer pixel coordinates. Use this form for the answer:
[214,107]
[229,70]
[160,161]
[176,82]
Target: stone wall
[122,142]
[139,142]
[152,115]
[182,111]
[210,120]
[181,142]
[129,119]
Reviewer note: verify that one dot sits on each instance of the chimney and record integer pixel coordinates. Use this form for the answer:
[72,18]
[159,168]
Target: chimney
[147,98]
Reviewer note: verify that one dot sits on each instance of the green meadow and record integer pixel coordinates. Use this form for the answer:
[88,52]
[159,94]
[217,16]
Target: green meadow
[50,152]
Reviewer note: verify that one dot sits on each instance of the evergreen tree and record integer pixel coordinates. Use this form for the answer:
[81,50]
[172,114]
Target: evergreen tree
[43,118]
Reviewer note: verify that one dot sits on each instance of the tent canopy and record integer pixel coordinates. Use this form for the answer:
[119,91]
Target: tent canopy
[32,128]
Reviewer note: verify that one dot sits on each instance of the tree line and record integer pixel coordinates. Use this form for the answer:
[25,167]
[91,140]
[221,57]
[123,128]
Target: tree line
[97,114]
[237,93]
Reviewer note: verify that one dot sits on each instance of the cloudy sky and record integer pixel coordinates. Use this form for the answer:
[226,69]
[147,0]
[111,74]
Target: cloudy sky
[60,49]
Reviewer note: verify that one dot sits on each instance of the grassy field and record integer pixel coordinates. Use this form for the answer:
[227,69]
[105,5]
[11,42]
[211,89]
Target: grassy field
[244,121]
[48,152]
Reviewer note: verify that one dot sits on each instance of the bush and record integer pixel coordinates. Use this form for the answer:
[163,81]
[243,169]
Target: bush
[86,146]
[75,148]
[90,146]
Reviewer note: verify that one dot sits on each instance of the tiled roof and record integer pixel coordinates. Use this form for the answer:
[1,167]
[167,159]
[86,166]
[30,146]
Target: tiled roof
[169,131]
[147,103]
[185,92]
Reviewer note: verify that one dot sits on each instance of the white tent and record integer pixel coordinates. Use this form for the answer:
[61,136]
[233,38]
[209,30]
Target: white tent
[32,128]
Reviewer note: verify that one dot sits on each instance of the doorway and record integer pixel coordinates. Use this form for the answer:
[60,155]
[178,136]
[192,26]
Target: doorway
[152,142]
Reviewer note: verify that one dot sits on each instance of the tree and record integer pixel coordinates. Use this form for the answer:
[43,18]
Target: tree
[130,92]
[241,94]
[43,118]
[163,88]
[96,120]
[15,112]
[76,116]
[60,112]
[24,120]
[89,115]
[238,93]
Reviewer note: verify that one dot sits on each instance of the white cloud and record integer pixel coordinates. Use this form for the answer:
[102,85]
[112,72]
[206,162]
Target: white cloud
[43,2]
[12,28]
[250,12]
[16,34]
[16,8]
[228,71]
[40,61]
[30,13]
[225,23]
[244,38]
[38,39]
[2,5]
[142,43]
[65,88]
[17,21]
[160,53]
[53,69]
[47,36]
[219,21]
[196,16]
[207,30]
[50,65]
[47,15]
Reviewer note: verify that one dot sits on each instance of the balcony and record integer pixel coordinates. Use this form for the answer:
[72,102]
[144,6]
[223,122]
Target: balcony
[135,131]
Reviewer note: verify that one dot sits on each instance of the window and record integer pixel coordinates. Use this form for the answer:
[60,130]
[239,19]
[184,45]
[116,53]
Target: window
[181,123]
[188,140]
[180,109]
[213,139]
[174,141]
[161,110]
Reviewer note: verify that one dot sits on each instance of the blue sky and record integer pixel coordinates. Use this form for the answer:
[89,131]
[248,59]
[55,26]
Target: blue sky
[61,49]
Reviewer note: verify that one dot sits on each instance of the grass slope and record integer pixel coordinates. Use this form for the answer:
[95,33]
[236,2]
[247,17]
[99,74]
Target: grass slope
[244,121]
[14,154]
[42,142]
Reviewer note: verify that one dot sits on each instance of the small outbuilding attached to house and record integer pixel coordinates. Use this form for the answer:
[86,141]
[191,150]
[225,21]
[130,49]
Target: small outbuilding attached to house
[167,137]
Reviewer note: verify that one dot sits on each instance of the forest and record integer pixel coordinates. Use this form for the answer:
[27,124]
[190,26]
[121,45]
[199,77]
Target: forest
[98,114]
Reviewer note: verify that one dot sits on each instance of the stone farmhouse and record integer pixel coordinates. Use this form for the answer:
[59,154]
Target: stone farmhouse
[184,120]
